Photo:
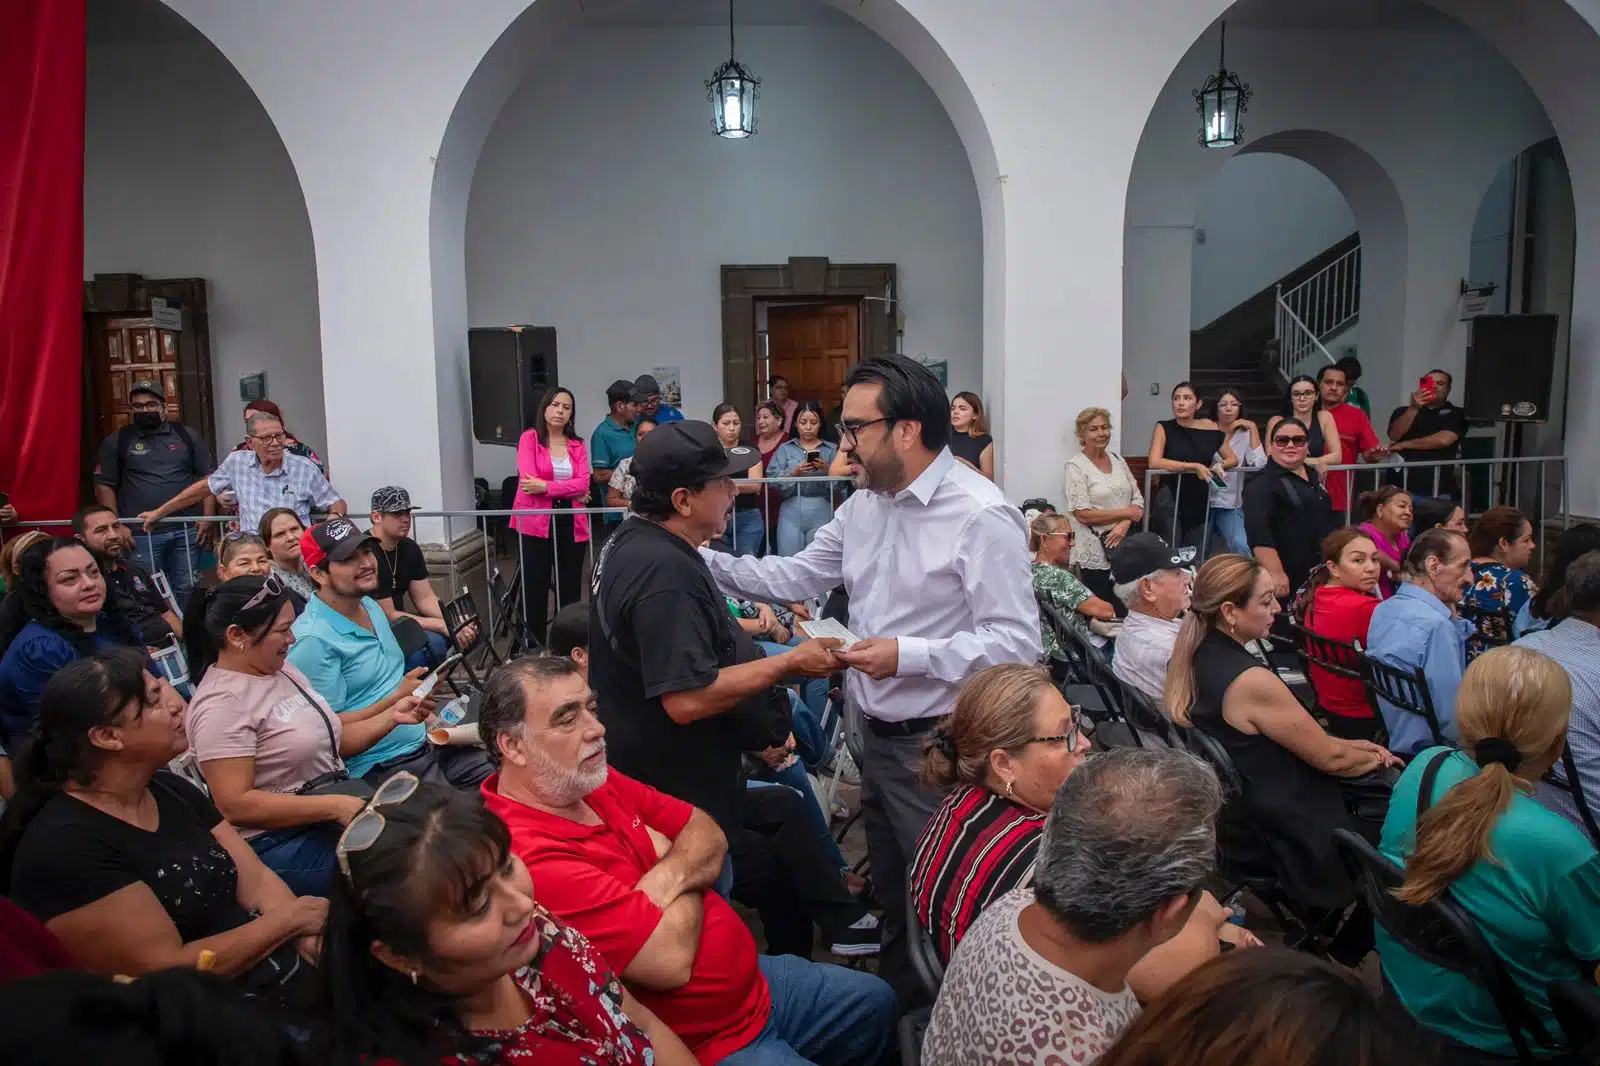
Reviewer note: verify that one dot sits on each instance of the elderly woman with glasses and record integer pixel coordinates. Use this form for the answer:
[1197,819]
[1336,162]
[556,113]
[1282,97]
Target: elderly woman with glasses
[1004,752]
[1050,537]
[270,747]
[437,950]
[129,865]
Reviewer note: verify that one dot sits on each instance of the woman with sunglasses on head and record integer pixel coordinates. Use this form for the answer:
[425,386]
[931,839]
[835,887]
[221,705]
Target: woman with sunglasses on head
[436,950]
[281,530]
[1302,400]
[1005,751]
[131,866]
[242,554]
[1050,537]
[270,747]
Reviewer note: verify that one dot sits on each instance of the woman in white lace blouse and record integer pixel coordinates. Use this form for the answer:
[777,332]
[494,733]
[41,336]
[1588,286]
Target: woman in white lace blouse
[1103,501]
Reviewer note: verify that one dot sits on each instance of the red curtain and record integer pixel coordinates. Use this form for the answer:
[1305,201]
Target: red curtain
[42,59]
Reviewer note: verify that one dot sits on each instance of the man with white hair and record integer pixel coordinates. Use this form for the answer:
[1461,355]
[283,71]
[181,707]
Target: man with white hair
[1155,581]
[632,869]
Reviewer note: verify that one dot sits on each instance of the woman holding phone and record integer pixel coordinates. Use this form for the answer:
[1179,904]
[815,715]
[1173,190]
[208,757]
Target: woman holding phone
[806,508]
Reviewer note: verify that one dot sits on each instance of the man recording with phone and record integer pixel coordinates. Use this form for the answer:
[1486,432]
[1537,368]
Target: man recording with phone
[1429,429]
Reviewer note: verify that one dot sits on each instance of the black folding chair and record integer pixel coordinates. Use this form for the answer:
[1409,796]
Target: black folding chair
[1440,932]
[458,614]
[1144,716]
[508,626]
[913,1027]
[924,953]
[1577,1009]
[1073,667]
[1405,689]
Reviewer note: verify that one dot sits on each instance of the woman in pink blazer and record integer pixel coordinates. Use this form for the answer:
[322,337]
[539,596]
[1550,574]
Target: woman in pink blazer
[552,473]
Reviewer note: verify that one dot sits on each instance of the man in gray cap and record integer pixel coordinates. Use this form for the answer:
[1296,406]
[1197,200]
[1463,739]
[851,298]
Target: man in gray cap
[403,572]
[651,405]
[143,465]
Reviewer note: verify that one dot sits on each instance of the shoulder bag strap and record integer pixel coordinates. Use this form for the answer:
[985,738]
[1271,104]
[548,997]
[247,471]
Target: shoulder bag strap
[1430,773]
[333,744]
[1570,766]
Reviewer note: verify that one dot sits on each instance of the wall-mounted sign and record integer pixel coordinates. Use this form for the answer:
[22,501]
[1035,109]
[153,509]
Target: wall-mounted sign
[164,315]
[940,368]
[1475,300]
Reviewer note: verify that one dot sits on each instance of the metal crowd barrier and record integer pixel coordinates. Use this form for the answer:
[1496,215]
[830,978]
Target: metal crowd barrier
[1506,483]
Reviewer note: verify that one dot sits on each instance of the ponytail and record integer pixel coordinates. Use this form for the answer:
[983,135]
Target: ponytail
[1453,834]
[212,611]
[1178,695]
[1225,579]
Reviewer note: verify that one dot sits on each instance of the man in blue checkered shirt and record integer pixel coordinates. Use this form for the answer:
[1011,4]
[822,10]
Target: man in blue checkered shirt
[261,478]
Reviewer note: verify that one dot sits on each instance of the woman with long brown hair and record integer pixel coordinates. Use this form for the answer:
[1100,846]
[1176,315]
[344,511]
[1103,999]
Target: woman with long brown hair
[1270,1008]
[1465,822]
[1291,766]
[970,441]
[1338,603]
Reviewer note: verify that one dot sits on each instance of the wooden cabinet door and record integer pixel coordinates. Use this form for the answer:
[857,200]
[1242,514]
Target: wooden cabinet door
[813,346]
[124,351]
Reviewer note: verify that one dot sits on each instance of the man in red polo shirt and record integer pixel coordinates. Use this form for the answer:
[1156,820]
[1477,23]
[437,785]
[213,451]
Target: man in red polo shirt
[632,870]
[1357,441]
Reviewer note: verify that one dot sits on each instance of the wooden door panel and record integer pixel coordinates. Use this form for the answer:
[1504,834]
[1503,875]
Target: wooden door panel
[126,350]
[813,346]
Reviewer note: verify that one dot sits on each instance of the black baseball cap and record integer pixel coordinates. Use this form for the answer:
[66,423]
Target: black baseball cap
[645,386]
[1143,554]
[335,540]
[680,454]
[621,390]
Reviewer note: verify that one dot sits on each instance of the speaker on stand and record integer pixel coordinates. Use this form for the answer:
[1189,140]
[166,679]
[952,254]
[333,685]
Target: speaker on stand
[509,367]
[1510,372]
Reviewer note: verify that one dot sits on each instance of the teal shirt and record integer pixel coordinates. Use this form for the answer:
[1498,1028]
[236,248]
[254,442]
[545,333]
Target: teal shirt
[1538,905]
[353,667]
[609,444]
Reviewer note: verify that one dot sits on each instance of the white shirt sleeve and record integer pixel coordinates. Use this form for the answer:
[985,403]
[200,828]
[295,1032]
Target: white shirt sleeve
[783,579]
[998,583]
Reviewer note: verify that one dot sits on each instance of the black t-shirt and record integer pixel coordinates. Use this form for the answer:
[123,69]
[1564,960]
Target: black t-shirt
[73,854]
[134,593]
[658,624]
[965,446]
[397,569]
[1291,515]
[1432,420]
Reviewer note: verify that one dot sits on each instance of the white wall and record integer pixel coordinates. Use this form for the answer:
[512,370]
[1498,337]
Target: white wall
[184,176]
[1263,216]
[607,212]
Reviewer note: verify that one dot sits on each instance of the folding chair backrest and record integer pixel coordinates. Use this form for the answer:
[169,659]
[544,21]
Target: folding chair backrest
[1441,933]
[1050,617]
[164,587]
[1577,1007]
[1143,715]
[172,664]
[1405,689]
[1333,656]
[924,955]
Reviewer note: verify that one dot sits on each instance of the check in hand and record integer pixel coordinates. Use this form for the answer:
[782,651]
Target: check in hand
[814,658]
[877,657]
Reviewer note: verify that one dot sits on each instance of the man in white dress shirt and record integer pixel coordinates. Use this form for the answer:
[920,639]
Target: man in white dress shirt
[935,563]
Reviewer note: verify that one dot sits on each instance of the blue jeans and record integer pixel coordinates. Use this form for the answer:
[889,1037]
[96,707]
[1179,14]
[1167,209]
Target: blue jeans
[433,654]
[799,521]
[795,777]
[807,711]
[170,549]
[1227,531]
[302,856]
[821,1013]
[744,535]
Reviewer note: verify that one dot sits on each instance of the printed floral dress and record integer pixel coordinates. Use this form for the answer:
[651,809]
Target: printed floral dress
[1492,603]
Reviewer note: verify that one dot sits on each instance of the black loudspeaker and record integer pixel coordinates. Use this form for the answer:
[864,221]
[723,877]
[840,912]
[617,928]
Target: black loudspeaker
[509,367]
[1511,367]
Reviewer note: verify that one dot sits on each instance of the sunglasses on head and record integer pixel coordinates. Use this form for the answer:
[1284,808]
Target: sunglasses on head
[365,828]
[1293,441]
[271,589]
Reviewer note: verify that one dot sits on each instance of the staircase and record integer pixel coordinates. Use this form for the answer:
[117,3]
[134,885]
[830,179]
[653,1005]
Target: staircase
[1283,330]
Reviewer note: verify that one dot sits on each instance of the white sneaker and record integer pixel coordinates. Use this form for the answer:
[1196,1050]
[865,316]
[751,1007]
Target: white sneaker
[845,766]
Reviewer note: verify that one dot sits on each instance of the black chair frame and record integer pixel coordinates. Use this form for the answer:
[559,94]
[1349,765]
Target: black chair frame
[919,944]
[459,613]
[1405,689]
[1577,1009]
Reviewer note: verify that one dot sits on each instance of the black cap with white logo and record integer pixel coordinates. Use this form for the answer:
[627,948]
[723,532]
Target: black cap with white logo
[1143,554]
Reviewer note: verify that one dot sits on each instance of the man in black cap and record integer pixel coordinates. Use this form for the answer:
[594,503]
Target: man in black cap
[612,441]
[651,404]
[1155,581]
[682,690]
[143,465]
[402,572]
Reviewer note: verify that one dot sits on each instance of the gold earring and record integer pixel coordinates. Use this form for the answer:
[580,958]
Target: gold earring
[413,977]
[1011,790]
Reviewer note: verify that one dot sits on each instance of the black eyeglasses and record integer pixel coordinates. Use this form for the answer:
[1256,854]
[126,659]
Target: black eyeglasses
[1301,394]
[849,431]
[1296,441]
[1081,726]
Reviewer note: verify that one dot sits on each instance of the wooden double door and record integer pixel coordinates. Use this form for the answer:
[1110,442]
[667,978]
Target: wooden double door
[813,346]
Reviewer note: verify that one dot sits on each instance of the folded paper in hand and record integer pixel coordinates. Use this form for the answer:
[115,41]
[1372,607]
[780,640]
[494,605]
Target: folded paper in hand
[826,628]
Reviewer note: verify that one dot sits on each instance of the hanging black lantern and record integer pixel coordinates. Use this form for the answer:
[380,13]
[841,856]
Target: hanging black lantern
[733,91]
[1222,99]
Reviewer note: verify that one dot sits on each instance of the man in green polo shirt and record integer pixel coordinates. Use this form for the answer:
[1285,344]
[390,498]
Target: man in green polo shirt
[611,442]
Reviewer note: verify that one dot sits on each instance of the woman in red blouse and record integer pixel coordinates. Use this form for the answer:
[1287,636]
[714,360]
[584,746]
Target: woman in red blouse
[1338,603]
[437,952]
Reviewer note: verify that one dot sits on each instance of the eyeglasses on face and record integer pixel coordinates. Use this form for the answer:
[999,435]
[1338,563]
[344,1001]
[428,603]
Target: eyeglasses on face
[1081,726]
[145,407]
[272,438]
[849,432]
[1303,394]
[1296,440]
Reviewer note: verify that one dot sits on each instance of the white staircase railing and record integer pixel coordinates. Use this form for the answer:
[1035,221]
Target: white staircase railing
[1313,311]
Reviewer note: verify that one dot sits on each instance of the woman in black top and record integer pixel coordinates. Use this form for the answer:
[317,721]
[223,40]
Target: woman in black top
[1302,400]
[970,442]
[1198,451]
[1291,767]
[130,865]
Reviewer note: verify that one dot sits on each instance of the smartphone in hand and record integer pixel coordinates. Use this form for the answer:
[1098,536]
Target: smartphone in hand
[425,689]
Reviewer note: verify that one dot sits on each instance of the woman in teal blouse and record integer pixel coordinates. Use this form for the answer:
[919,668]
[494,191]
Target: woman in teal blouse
[1528,877]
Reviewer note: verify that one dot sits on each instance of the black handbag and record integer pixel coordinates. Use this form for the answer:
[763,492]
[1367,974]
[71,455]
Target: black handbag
[335,782]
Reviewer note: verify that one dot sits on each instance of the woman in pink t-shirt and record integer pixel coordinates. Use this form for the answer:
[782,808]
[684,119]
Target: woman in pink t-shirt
[1386,514]
[262,734]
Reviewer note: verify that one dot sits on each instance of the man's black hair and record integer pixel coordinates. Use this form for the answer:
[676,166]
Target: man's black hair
[80,521]
[910,394]
[569,630]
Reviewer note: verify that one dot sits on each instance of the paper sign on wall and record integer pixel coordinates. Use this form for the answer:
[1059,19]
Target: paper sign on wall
[670,378]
